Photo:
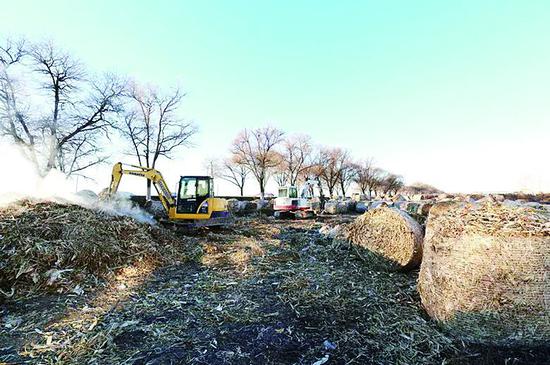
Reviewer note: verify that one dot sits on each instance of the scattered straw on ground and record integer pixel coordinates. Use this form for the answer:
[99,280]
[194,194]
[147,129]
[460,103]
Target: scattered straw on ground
[294,298]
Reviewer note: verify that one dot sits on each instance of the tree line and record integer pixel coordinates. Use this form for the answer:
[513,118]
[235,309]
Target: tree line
[267,152]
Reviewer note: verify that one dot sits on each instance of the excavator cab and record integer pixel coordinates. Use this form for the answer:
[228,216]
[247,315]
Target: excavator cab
[192,192]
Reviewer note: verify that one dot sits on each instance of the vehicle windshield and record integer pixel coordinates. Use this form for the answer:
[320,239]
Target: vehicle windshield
[282,192]
[191,188]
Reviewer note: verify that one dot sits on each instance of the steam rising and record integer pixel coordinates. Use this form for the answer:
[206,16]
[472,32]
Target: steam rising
[20,180]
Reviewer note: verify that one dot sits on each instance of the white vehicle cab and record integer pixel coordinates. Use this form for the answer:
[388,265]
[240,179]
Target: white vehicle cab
[294,202]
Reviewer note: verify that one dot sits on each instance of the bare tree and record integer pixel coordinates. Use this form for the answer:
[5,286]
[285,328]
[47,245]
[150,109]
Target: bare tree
[152,126]
[62,75]
[329,167]
[368,177]
[212,166]
[391,183]
[347,173]
[235,172]
[256,150]
[96,114]
[280,174]
[295,158]
[13,121]
[280,171]
[79,110]
[421,188]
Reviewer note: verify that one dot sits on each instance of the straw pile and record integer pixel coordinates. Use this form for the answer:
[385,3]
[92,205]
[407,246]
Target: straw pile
[390,233]
[485,272]
[47,246]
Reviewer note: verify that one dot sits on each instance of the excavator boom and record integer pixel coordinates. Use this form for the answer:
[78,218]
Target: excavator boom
[153,175]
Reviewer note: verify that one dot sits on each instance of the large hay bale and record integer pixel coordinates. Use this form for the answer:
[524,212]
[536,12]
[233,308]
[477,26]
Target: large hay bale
[377,204]
[265,206]
[337,206]
[402,204]
[233,205]
[390,233]
[349,205]
[248,207]
[240,207]
[362,206]
[315,204]
[485,272]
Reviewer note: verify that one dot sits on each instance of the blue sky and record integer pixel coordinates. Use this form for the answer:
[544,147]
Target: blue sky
[455,94]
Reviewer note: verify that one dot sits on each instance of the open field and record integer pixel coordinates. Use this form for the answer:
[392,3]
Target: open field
[263,292]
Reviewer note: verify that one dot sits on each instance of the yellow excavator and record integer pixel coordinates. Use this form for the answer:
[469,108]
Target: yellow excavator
[194,203]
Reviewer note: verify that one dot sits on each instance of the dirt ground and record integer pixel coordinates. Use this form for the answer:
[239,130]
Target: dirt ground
[263,292]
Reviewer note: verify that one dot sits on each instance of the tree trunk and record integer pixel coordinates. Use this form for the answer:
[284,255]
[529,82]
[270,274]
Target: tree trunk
[148,196]
[53,131]
[242,190]
[262,191]
[321,194]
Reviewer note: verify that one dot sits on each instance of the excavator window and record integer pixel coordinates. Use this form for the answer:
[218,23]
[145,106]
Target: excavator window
[203,187]
[292,192]
[188,188]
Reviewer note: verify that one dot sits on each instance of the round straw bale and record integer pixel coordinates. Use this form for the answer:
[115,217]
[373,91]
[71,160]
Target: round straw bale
[362,206]
[377,203]
[485,273]
[390,233]
[338,206]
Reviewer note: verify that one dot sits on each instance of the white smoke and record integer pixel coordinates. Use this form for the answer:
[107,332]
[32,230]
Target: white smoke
[21,180]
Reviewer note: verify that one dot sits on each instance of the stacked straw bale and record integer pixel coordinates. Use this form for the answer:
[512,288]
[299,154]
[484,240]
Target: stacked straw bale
[390,233]
[485,272]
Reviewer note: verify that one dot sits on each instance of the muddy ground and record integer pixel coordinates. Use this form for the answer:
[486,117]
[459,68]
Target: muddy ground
[264,292]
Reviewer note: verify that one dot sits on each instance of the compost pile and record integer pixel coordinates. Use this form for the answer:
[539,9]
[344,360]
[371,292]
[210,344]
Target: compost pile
[52,246]
[391,234]
[485,272]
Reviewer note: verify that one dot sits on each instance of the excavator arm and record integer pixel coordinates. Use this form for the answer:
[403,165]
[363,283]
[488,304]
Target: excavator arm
[150,174]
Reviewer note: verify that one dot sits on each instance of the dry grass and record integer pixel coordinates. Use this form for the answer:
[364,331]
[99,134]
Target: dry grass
[485,272]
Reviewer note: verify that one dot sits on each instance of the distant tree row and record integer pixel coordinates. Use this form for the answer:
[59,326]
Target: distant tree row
[62,116]
[291,159]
